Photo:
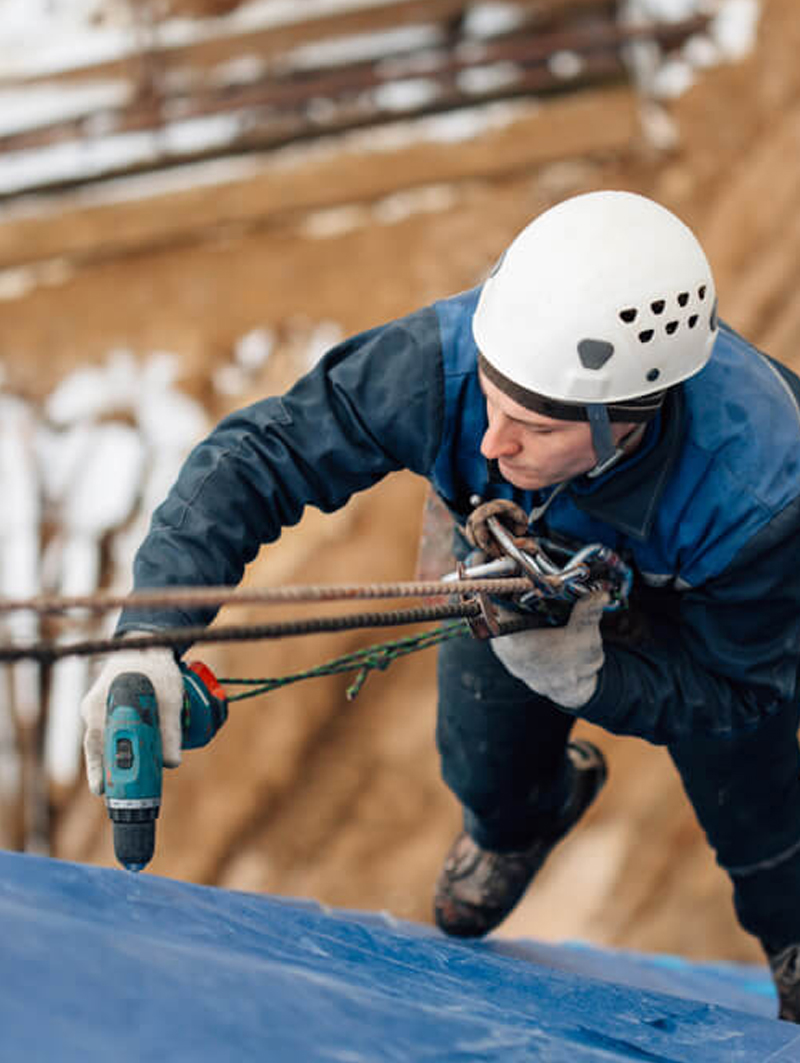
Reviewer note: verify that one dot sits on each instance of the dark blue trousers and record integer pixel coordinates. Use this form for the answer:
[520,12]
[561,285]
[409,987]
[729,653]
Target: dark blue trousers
[502,750]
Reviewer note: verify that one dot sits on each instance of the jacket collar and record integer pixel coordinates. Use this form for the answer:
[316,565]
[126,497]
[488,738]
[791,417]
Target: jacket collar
[627,497]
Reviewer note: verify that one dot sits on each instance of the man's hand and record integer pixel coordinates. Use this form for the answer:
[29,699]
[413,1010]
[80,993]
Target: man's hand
[161,668]
[559,663]
[477,531]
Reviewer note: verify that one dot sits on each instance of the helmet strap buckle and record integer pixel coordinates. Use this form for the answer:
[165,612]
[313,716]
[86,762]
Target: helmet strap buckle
[607,452]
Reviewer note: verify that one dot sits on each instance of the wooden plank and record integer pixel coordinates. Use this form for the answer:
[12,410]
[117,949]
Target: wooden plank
[272,113]
[273,41]
[578,126]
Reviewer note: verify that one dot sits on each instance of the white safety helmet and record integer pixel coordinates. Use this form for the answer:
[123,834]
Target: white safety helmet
[597,307]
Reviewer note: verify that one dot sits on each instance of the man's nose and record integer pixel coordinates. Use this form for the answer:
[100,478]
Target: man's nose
[498,442]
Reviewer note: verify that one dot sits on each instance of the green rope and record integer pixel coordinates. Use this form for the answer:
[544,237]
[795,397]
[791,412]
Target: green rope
[362,661]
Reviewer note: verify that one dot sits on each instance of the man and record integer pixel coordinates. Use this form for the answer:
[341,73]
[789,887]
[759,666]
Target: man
[589,383]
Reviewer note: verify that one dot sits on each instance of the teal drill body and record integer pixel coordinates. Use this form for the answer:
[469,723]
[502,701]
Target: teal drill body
[133,757]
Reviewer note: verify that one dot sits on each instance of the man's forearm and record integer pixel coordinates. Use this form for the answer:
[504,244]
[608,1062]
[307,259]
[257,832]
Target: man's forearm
[663,693]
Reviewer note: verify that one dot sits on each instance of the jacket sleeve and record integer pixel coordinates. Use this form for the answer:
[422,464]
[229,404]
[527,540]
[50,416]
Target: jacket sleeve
[727,657]
[372,405]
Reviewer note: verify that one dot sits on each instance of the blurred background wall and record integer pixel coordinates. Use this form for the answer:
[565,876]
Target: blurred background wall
[197,198]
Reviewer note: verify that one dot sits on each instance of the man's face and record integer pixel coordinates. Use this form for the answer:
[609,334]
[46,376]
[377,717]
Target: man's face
[534,451]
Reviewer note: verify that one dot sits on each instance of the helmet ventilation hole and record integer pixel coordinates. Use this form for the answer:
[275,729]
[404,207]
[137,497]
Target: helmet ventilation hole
[671,327]
[653,374]
[629,315]
[701,292]
[683,299]
[658,306]
[693,321]
[646,336]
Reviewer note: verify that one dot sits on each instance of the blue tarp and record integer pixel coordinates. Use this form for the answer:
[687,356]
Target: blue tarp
[99,964]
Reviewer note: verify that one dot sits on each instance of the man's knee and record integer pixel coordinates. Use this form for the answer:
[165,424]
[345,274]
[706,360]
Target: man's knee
[745,789]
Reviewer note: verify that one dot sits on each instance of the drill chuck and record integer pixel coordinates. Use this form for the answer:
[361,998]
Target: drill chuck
[134,842]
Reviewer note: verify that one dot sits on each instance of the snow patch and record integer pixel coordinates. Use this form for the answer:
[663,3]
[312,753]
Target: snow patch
[300,342]
[484,79]
[328,224]
[672,79]
[92,392]
[668,10]
[432,199]
[252,351]
[17,282]
[406,95]
[337,221]
[731,35]
[93,158]
[324,336]
[361,47]
[41,105]
[566,65]
[43,37]
[19,552]
[242,70]
[104,493]
[112,443]
[491,20]
[735,28]
[250,354]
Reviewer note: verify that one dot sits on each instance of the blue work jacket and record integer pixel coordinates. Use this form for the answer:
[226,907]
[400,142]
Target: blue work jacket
[706,510]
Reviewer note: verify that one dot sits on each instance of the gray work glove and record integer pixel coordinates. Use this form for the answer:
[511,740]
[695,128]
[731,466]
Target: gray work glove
[161,668]
[559,663]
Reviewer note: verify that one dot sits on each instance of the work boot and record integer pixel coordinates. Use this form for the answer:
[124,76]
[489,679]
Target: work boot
[785,967]
[477,888]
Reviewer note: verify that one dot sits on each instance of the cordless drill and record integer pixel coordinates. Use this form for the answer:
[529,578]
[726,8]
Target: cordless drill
[133,758]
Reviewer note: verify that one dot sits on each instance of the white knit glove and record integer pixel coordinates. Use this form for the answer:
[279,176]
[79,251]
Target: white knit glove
[559,663]
[162,670]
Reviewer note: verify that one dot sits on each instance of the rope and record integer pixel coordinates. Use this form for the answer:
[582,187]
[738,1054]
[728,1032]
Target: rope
[361,661]
[369,659]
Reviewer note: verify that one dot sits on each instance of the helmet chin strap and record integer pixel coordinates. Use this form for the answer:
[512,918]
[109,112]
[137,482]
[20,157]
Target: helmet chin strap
[607,452]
